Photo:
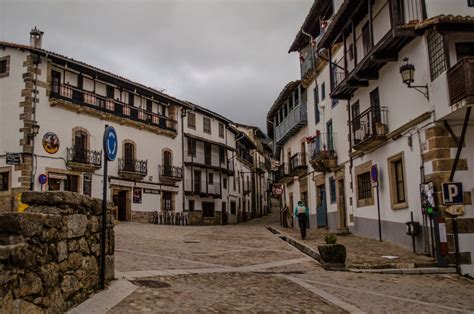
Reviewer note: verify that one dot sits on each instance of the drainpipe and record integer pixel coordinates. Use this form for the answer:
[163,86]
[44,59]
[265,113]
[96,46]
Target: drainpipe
[36,61]
[183,171]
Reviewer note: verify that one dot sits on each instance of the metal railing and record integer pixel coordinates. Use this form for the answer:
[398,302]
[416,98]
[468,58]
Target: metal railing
[298,160]
[84,156]
[116,107]
[212,160]
[322,146]
[282,171]
[133,166]
[170,171]
[370,123]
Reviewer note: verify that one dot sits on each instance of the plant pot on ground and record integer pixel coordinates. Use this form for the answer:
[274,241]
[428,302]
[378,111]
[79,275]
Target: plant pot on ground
[332,254]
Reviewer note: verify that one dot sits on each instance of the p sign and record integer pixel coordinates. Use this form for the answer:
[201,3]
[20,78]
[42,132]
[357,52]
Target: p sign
[452,193]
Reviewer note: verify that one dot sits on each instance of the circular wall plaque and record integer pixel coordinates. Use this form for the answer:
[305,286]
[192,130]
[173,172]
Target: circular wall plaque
[51,143]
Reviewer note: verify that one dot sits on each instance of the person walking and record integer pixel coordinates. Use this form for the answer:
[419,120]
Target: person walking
[302,212]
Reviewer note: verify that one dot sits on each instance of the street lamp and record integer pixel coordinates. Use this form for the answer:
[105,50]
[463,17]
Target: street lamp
[35,129]
[407,72]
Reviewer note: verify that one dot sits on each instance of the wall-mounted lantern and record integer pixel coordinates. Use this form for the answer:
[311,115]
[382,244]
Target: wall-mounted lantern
[407,71]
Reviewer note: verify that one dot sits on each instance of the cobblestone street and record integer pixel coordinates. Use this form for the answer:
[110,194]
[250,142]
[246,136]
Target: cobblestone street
[246,268]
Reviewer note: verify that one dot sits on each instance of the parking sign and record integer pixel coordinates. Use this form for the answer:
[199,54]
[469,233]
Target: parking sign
[453,193]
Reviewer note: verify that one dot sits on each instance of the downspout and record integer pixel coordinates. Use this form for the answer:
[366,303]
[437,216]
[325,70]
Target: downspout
[183,171]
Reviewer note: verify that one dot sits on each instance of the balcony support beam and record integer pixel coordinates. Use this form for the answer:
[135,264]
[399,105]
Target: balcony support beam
[460,144]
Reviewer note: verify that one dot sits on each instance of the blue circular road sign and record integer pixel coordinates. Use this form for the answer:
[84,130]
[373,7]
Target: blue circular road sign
[110,143]
[42,179]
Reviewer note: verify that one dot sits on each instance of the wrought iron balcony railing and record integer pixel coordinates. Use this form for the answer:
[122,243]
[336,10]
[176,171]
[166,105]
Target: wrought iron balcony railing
[170,172]
[369,128]
[133,166]
[82,156]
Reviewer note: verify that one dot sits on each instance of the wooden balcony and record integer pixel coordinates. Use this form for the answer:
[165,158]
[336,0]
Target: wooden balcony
[132,169]
[85,160]
[323,157]
[87,99]
[295,120]
[369,128]
[461,82]
[202,188]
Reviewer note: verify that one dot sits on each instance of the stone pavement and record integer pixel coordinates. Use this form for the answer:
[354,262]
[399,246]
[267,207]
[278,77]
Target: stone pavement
[364,252]
[246,268]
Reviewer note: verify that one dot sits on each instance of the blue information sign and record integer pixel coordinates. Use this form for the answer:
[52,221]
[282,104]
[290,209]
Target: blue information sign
[110,143]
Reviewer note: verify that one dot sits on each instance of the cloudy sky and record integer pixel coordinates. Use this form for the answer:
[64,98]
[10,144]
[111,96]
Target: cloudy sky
[227,55]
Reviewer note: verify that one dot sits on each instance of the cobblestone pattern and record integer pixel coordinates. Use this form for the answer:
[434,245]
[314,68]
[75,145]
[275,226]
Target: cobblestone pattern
[228,292]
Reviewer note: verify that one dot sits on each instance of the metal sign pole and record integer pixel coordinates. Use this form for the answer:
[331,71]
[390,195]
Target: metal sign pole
[104,223]
[378,212]
[456,244]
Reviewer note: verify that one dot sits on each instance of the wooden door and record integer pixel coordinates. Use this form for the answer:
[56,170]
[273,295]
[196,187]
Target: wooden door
[122,206]
[167,163]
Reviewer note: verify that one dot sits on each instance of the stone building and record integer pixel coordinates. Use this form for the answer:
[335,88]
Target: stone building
[388,88]
[55,109]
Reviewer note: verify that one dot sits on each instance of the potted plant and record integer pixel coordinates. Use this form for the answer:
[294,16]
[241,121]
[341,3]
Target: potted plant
[333,255]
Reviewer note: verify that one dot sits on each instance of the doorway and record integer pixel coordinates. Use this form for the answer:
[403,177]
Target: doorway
[321,207]
[122,205]
[225,216]
[341,204]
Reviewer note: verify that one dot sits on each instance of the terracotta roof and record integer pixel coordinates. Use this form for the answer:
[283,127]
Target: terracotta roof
[441,19]
[57,55]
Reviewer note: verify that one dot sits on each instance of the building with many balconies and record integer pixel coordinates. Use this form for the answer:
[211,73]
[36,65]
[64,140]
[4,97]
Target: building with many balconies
[387,88]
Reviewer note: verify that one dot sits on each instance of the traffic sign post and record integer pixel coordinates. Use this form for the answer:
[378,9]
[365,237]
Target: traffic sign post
[42,179]
[453,195]
[110,146]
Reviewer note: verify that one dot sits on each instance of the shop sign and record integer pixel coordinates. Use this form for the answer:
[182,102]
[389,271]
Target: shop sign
[13,158]
[137,195]
[151,191]
[51,143]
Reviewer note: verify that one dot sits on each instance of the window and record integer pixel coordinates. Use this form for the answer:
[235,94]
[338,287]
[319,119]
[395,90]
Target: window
[191,205]
[167,201]
[224,183]
[131,99]
[330,139]
[316,107]
[80,146]
[222,155]
[208,209]
[375,105]
[436,54]
[332,189]
[366,38]
[4,181]
[4,66]
[191,147]
[470,3]
[129,156]
[72,183]
[206,125]
[323,91]
[191,120]
[211,178]
[355,109]
[233,208]
[397,181]
[351,52]
[464,50]
[149,105]
[221,130]
[364,186]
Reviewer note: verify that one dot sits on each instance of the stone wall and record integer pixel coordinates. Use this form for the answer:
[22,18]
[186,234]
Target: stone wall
[50,254]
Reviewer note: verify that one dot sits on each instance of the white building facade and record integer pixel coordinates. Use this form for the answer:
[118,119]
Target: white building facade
[362,116]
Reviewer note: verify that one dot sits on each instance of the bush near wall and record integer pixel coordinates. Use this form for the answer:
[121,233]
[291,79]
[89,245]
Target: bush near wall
[50,254]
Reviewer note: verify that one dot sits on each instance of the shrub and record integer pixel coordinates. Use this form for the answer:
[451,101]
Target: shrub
[330,238]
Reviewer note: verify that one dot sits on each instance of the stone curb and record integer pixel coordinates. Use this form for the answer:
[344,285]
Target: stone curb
[406,271]
[376,270]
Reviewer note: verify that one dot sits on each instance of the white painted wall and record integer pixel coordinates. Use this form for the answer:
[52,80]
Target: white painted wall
[445,7]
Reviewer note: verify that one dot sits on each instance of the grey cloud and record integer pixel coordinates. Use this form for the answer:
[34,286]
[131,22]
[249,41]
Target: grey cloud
[227,55]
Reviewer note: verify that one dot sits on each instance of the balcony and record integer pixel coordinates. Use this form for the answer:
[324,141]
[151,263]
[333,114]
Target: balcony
[323,157]
[370,129]
[461,82]
[298,165]
[296,119]
[84,160]
[87,99]
[262,166]
[282,175]
[393,27]
[170,174]
[202,188]
[133,169]
[211,161]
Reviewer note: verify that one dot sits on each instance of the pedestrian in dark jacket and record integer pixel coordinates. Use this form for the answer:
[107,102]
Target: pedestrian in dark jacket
[302,212]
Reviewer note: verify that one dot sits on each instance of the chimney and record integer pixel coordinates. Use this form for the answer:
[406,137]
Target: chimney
[36,38]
